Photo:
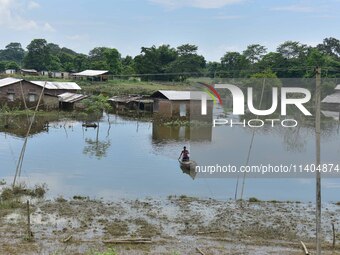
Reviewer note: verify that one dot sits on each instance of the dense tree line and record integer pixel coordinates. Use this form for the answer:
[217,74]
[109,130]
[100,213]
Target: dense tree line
[291,59]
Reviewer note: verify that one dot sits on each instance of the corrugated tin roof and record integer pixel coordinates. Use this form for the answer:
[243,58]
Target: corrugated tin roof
[332,99]
[9,81]
[124,99]
[71,97]
[181,95]
[91,73]
[57,85]
[29,70]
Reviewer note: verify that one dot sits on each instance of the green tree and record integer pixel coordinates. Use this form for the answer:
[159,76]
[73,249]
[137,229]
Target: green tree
[81,62]
[254,53]
[113,60]
[12,65]
[188,63]
[213,69]
[54,64]
[66,61]
[105,59]
[2,66]
[99,65]
[38,56]
[330,46]
[268,74]
[295,55]
[97,104]
[68,51]
[97,54]
[54,49]
[291,49]
[319,58]
[13,52]
[128,66]
[155,60]
[234,64]
[273,61]
[127,61]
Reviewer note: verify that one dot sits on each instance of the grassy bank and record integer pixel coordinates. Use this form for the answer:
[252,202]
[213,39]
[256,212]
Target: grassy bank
[117,86]
[125,87]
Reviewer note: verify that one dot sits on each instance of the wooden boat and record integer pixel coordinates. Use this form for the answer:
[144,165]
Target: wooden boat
[89,125]
[188,167]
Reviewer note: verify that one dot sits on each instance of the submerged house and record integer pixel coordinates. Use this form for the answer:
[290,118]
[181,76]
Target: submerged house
[60,75]
[132,102]
[332,101]
[18,92]
[94,75]
[71,101]
[171,104]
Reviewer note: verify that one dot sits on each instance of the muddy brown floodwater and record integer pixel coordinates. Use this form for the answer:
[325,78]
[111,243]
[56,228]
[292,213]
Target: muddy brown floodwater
[176,225]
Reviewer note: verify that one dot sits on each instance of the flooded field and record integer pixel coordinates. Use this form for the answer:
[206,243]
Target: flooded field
[127,159]
[171,226]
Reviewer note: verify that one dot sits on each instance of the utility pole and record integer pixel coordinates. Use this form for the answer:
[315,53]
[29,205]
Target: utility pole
[318,174]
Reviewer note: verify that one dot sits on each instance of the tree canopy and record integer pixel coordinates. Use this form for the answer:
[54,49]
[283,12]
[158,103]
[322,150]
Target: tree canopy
[166,63]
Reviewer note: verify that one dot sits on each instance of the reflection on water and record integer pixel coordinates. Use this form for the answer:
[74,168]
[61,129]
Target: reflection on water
[167,133]
[129,159]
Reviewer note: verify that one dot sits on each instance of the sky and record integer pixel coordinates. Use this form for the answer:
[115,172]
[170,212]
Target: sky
[215,26]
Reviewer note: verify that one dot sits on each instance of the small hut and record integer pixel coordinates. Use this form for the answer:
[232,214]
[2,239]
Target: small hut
[30,72]
[94,75]
[71,101]
[171,104]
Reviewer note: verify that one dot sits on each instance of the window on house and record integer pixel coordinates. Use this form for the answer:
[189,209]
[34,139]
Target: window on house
[183,110]
[10,97]
[32,97]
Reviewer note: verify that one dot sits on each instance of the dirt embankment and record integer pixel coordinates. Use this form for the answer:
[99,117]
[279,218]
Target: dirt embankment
[177,225]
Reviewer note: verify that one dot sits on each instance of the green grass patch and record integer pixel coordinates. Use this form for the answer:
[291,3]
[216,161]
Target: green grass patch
[109,251]
[125,87]
[254,200]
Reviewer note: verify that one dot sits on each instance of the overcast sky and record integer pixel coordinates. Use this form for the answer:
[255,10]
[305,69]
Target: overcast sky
[216,26]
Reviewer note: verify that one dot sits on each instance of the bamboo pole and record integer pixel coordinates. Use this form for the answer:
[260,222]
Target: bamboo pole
[318,174]
[304,248]
[29,233]
[334,236]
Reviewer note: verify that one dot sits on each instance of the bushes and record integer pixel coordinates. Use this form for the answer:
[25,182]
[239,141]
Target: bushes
[21,190]
[254,200]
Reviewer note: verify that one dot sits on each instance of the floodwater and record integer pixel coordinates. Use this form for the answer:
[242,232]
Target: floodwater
[127,159]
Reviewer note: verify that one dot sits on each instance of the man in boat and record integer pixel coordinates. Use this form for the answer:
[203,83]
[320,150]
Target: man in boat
[184,155]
